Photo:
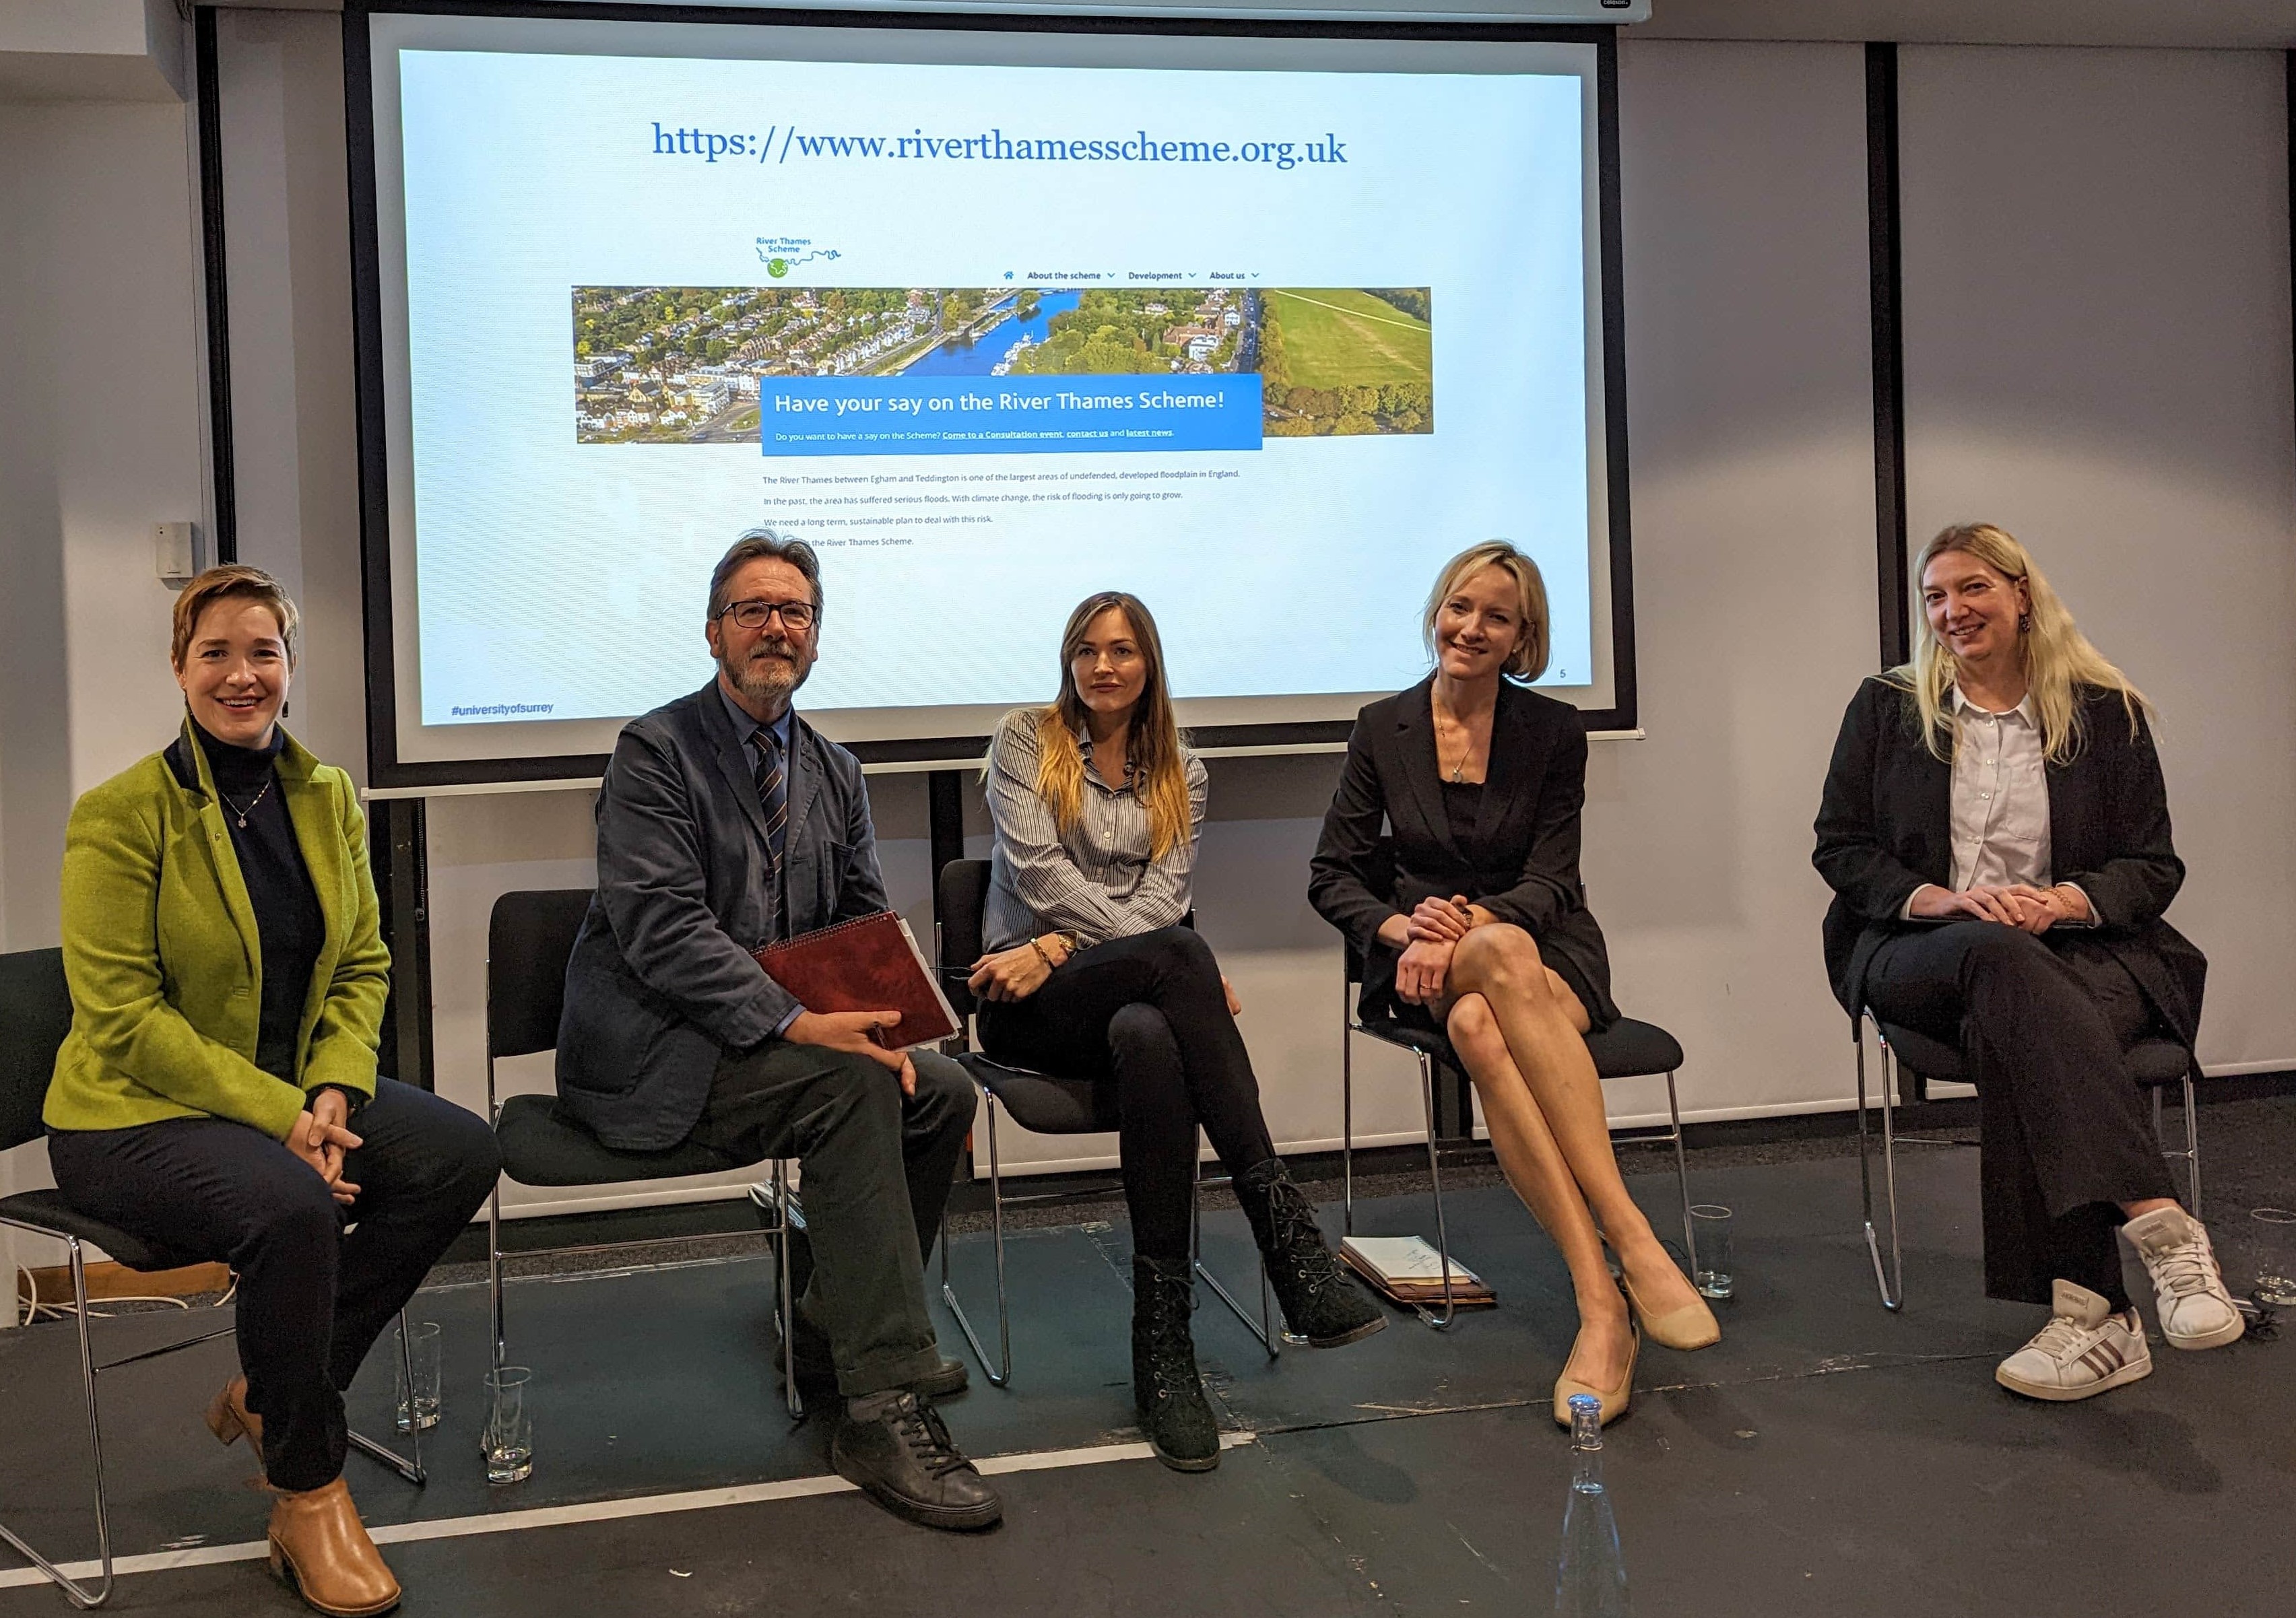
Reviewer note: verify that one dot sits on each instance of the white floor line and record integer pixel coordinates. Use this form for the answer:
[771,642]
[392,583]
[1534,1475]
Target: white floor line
[596,1511]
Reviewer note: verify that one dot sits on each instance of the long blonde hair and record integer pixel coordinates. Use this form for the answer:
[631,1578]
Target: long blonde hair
[1160,773]
[2057,658]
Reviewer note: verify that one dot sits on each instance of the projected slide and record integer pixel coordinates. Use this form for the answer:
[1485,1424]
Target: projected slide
[1365,361]
[1264,346]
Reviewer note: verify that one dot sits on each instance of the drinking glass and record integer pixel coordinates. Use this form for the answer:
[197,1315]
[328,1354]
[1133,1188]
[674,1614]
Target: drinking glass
[1709,1230]
[510,1424]
[2275,1264]
[418,1405]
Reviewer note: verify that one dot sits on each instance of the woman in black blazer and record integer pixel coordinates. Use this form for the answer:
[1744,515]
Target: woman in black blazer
[1995,832]
[1472,921]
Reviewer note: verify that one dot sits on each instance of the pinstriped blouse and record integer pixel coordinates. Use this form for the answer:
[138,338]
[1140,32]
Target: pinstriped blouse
[1098,878]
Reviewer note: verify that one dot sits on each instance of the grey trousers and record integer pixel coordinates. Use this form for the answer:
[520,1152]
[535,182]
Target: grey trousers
[877,1167]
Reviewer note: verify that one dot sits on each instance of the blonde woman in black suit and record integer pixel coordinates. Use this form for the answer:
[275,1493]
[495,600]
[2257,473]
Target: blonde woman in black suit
[1994,828]
[1477,926]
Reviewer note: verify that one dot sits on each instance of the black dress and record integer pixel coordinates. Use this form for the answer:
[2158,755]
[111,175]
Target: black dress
[1510,845]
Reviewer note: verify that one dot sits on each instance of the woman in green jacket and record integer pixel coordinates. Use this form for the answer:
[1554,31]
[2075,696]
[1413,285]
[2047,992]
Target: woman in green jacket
[217,1097]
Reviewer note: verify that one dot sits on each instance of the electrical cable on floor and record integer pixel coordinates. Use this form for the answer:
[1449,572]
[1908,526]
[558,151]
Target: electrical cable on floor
[40,1310]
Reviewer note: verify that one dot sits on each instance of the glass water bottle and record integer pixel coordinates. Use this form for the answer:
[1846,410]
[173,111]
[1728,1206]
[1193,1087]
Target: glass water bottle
[1590,1579]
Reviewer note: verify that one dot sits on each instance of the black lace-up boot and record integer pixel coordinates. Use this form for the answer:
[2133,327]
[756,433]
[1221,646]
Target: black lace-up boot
[1174,1414]
[1320,1302]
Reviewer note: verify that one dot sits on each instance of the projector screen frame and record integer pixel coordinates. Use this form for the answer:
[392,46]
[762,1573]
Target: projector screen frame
[388,771]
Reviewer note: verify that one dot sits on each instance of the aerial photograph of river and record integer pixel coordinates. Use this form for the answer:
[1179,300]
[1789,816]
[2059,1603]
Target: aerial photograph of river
[983,355]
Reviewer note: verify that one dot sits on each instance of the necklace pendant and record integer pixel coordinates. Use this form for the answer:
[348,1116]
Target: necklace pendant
[243,819]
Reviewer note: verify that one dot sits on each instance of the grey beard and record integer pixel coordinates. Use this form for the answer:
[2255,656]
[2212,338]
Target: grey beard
[766,684]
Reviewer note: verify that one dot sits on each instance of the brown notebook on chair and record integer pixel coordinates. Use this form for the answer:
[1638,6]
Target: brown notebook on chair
[869,964]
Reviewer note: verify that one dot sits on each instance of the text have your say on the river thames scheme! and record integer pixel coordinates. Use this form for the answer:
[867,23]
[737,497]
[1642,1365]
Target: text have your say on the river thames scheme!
[687,364]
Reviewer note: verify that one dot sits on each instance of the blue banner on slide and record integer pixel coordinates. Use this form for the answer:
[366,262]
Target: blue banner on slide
[1008,415]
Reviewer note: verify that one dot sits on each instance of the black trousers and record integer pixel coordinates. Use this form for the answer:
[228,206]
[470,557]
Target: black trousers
[313,1296]
[877,1168]
[2041,1024]
[1147,1014]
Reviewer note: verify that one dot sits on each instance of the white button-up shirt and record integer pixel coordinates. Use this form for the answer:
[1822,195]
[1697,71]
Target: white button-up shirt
[2000,797]
[2000,802]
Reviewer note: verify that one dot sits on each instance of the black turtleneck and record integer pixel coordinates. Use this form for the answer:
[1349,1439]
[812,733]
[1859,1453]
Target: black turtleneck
[287,914]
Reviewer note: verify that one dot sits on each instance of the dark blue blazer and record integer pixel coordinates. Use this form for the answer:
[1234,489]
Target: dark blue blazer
[661,985]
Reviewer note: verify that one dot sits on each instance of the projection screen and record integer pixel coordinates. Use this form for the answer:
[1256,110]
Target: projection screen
[1259,326]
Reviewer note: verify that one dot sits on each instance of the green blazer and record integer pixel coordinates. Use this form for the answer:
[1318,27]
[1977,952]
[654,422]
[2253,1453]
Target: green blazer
[166,966]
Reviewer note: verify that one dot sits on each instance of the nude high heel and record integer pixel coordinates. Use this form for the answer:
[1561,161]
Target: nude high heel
[1691,1326]
[1615,1399]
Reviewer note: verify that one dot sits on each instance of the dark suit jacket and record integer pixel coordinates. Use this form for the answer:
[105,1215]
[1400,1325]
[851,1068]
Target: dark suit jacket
[1535,788]
[662,984]
[1885,827]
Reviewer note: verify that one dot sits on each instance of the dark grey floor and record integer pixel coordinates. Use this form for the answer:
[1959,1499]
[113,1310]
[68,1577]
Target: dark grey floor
[1827,1458]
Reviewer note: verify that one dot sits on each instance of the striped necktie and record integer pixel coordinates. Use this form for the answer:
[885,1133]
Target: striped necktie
[772,790]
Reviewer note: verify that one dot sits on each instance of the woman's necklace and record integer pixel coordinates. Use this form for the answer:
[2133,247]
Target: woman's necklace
[251,802]
[1458,776]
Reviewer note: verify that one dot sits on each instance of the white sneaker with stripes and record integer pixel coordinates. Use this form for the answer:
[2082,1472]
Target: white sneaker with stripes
[2196,1311]
[2086,1349]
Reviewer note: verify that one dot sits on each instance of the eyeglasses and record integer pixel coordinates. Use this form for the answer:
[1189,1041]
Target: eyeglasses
[797,616]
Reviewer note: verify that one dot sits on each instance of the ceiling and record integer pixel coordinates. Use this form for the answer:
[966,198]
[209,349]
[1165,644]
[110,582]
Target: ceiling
[2211,24]
[2207,24]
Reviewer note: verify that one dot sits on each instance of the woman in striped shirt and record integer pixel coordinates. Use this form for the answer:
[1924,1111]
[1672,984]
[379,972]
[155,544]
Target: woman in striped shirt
[1091,968]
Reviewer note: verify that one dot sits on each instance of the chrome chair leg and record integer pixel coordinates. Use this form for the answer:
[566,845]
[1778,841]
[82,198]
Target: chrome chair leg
[494,1225]
[1435,1180]
[1892,1285]
[78,1594]
[1270,1335]
[2193,1141]
[779,1218]
[495,1274]
[785,1293]
[1347,1112]
[408,1467]
[1681,1176]
[1001,1373]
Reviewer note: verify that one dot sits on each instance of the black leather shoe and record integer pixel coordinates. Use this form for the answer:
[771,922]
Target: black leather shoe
[896,1447]
[1320,1302]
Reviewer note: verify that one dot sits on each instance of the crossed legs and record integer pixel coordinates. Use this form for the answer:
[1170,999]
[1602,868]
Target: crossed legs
[1520,1030]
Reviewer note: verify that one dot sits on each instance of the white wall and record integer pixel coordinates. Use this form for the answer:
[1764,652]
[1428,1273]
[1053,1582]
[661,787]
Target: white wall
[2097,358]
[1749,390]
[289,262]
[100,437]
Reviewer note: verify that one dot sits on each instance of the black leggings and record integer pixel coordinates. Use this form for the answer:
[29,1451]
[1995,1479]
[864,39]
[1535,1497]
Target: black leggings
[312,1297]
[1148,1014]
[2041,1024]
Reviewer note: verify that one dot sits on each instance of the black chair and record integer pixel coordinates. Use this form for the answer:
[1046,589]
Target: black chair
[35,1013]
[1626,1050]
[1044,1104]
[2156,1064]
[529,938]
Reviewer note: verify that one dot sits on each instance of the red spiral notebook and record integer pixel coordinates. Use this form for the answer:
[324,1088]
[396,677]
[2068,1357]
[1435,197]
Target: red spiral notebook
[868,964]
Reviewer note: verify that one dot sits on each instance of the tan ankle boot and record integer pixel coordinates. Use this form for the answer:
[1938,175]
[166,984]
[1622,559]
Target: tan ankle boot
[228,1417]
[319,1546]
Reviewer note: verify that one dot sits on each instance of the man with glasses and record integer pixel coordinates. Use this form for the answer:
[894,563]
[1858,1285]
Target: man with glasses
[725,822]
